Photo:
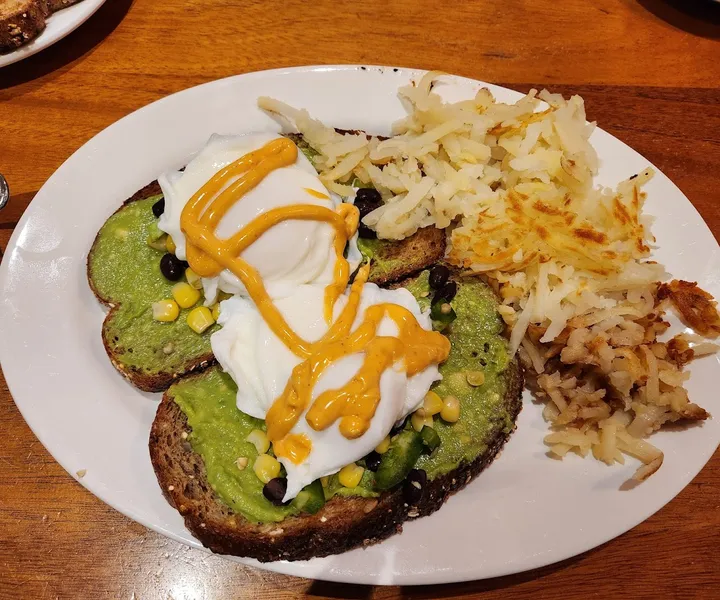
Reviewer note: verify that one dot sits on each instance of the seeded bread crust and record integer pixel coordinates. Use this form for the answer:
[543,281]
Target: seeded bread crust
[23,20]
[342,524]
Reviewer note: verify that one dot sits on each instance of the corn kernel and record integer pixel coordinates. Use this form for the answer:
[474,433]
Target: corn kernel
[451,409]
[170,245]
[193,278]
[159,243]
[325,480]
[475,378]
[259,439]
[266,467]
[383,446]
[199,319]
[420,420]
[185,294]
[215,311]
[432,404]
[165,310]
[350,475]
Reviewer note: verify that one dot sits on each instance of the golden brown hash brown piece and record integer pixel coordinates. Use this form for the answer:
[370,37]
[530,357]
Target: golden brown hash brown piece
[697,308]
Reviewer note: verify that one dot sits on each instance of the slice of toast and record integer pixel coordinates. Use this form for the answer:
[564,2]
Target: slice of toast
[20,22]
[344,522]
[23,20]
[150,362]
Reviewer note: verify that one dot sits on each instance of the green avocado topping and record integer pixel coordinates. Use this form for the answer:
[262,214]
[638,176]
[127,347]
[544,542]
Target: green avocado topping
[219,429]
[126,271]
[477,344]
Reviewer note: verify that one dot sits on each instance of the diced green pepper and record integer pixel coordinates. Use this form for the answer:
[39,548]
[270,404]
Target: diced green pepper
[399,460]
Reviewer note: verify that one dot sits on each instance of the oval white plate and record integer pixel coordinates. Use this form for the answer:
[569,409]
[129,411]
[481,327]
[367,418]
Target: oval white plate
[58,25]
[524,512]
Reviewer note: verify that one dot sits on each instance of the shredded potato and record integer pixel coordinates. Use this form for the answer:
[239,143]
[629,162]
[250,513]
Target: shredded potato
[514,186]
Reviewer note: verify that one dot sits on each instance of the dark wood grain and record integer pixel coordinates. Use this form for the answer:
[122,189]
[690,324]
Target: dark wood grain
[649,72]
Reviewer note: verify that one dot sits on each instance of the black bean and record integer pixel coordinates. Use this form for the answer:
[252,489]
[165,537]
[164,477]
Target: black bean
[414,486]
[365,232]
[274,490]
[439,276]
[171,267]
[159,207]
[367,200]
[446,293]
[372,461]
[397,428]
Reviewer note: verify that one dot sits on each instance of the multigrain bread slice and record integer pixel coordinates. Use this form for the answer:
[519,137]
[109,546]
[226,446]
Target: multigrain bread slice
[20,22]
[392,261]
[148,380]
[23,20]
[342,524]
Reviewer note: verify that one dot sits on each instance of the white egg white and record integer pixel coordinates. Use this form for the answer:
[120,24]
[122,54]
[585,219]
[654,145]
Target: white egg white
[261,365]
[289,254]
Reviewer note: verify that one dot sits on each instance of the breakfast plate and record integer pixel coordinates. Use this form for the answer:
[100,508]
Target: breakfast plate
[524,512]
[59,25]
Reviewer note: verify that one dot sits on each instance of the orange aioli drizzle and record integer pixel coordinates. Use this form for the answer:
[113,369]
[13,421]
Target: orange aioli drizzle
[294,446]
[317,194]
[355,403]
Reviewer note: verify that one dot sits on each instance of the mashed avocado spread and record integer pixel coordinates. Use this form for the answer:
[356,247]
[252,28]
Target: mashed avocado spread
[219,429]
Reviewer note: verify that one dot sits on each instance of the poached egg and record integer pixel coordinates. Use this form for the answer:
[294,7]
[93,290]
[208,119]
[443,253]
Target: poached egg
[261,365]
[291,253]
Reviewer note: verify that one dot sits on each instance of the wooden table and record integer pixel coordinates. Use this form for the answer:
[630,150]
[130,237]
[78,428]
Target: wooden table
[649,73]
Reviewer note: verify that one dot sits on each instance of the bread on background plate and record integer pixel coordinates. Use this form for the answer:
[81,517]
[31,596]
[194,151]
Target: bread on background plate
[21,21]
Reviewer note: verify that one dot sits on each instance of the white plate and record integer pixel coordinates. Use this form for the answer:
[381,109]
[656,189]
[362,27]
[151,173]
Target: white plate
[526,511]
[58,25]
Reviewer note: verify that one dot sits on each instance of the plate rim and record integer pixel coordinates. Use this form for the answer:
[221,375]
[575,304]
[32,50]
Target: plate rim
[300,568]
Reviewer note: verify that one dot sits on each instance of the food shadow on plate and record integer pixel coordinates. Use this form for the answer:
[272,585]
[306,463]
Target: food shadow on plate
[327,589]
[57,57]
[698,17]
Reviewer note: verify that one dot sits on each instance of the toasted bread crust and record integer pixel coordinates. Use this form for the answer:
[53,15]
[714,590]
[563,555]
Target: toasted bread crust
[147,382]
[342,524]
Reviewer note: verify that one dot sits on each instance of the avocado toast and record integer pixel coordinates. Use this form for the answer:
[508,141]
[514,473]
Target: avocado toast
[199,442]
[224,507]
[124,274]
